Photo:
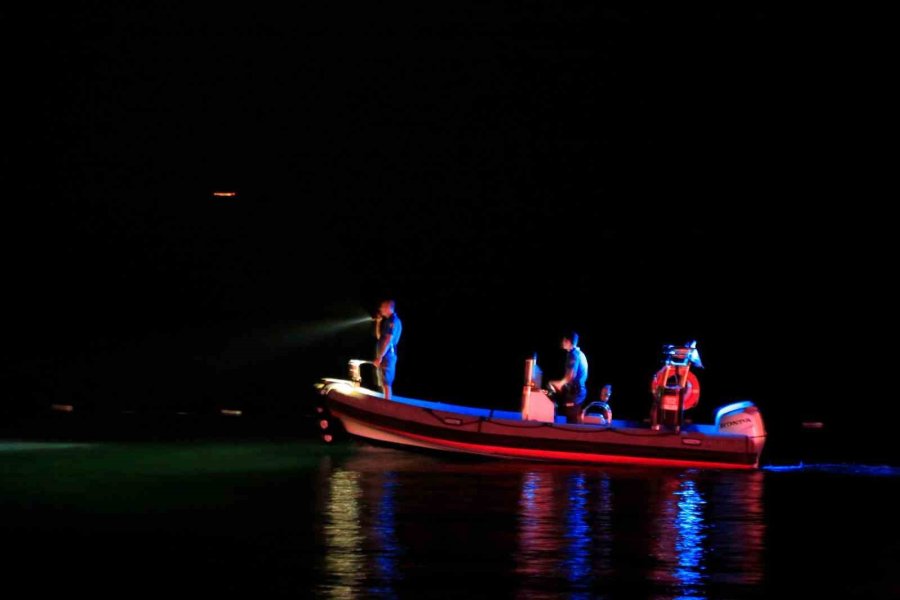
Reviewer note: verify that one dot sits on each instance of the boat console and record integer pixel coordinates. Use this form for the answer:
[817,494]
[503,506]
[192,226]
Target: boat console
[536,403]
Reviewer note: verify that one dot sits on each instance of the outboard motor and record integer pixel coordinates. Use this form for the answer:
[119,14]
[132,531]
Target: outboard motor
[741,418]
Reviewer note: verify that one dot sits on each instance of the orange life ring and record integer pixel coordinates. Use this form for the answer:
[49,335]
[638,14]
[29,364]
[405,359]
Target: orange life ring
[692,388]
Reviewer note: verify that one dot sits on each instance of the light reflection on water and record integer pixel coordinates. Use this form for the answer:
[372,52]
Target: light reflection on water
[538,523]
[576,565]
[689,546]
[350,521]
[540,530]
[387,549]
[344,538]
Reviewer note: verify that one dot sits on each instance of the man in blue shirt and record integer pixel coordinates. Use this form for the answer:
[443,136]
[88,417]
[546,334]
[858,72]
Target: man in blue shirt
[571,390]
[387,331]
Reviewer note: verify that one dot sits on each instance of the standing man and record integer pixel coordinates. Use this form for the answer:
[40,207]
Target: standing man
[387,331]
[571,390]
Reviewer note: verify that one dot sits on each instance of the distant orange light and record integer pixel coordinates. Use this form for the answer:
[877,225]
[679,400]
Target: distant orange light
[225,194]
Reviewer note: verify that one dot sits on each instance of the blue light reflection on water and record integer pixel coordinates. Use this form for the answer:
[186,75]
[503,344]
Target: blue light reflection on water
[576,562]
[603,511]
[529,487]
[689,544]
[837,469]
[385,537]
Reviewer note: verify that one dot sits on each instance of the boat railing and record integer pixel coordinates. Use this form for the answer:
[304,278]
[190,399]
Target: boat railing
[678,361]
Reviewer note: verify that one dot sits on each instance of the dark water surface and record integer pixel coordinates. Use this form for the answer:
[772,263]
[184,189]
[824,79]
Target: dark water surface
[304,519]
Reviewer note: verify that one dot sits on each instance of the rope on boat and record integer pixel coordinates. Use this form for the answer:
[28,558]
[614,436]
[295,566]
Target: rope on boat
[444,421]
[536,425]
[591,431]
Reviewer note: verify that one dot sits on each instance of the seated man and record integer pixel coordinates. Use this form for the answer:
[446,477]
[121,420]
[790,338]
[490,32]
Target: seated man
[571,390]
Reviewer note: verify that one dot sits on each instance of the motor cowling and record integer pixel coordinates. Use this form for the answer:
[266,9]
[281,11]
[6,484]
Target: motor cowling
[740,418]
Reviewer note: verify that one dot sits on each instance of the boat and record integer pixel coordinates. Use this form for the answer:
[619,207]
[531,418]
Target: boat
[734,441]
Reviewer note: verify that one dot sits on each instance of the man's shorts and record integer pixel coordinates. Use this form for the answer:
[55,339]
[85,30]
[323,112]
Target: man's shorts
[387,369]
[569,402]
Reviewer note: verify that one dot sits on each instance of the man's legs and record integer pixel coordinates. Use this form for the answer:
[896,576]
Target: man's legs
[386,373]
[570,409]
[570,403]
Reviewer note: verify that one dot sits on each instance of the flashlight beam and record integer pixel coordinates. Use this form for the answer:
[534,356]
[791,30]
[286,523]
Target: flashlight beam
[272,341]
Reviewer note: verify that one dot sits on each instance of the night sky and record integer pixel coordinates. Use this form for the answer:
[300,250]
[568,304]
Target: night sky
[644,176]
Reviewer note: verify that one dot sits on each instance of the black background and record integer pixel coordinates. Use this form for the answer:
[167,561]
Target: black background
[644,176]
